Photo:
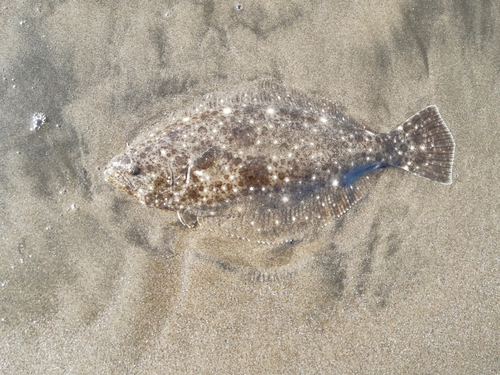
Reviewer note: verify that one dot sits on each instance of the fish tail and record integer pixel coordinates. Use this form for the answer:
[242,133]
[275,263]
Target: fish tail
[427,146]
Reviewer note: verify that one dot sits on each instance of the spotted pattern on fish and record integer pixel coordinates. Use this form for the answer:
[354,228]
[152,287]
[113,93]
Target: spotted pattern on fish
[272,165]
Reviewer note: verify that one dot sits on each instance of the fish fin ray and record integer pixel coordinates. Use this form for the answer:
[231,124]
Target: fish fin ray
[431,147]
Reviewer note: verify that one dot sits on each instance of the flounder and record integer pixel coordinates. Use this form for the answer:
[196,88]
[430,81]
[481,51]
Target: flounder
[273,165]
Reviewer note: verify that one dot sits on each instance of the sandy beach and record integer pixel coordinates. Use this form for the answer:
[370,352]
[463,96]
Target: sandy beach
[91,281]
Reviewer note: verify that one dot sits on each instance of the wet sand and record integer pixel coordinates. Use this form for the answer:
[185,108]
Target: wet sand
[93,282]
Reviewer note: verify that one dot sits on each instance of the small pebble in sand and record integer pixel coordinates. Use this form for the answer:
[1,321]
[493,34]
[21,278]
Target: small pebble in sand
[37,121]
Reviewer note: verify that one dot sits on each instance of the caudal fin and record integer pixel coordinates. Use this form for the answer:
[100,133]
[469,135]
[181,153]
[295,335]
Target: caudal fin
[430,146]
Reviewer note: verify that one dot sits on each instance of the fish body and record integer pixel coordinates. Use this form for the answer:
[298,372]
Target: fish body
[273,165]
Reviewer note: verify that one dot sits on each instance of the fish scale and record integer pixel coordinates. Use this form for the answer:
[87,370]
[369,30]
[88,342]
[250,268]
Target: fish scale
[272,165]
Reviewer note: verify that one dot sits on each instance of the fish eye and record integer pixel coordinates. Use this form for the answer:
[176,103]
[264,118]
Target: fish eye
[134,170]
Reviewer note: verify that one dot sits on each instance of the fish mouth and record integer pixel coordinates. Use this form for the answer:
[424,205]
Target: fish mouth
[120,172]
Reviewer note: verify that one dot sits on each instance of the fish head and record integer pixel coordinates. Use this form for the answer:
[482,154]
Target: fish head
[150,175]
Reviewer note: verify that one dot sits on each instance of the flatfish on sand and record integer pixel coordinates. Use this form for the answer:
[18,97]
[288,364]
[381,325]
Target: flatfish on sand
[271,165]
